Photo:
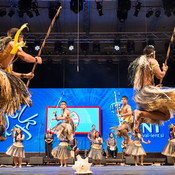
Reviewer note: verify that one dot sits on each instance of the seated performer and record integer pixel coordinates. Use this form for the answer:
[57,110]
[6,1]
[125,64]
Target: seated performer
[169,149]
[111,144]
[48,138]
[62,152]
[14,92]
[135,148]
[91,132]
[73,144]
[124,145]
[96,149]
[17,149]
[154,103]
[65,129]
[126,125]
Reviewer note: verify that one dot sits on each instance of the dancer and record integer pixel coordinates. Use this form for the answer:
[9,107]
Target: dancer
[17,149]
[96,149]
[48,138]
[126,125]
[135,148]
[62,152]
[154,103]
[14,92]
[169,149]
[111,144]
[65,129]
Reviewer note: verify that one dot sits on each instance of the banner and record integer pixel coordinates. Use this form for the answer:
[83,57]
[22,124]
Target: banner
[92,105]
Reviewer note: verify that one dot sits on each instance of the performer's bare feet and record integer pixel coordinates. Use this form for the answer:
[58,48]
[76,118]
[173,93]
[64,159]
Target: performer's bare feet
[61,165]
[65,165]
[15,167]
[20,166]
[137,121]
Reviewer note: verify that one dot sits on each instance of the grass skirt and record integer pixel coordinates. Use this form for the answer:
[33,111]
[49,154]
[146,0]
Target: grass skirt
[61,152]
[95,154]
[169,149]
[13,93]
[16,151]
[117,130]
[155,99]
[135,150]
[63,133]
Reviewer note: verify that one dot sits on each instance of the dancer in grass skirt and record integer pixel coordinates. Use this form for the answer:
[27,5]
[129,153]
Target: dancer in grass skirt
[17,149]
[169,149]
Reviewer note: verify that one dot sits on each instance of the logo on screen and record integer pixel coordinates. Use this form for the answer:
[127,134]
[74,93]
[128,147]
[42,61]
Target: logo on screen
[75,118]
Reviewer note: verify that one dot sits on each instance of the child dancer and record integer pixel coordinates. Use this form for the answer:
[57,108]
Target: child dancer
[17,149]
[169,149]
[135,148]
[62,152]
[96,149]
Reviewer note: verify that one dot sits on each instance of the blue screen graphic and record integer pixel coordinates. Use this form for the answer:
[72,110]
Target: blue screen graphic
[83,118]
[32,120]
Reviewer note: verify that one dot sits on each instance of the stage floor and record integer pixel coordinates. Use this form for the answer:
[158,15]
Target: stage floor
[111,170]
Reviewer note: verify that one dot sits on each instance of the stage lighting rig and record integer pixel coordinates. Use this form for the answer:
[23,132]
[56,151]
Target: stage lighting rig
[11,13]
[99,4]
[122,11]
[76,5]
[71,45]
[53,9]
[137,8]
[149,13]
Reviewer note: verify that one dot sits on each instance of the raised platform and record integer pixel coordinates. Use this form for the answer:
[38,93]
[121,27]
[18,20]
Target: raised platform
[39,159]
[106,170]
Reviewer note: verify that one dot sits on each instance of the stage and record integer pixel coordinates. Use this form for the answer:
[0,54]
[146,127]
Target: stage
[119,170]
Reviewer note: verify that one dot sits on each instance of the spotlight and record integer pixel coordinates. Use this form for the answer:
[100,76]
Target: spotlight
[137,8]
[29,14]
[11,13]
[24,5]
[157,13]
[37,45]
[99,7]
[53,10]
[2,12]
[74,5]
[122,11]
[37,48]
[71,45]
[35,8]
[149,13]
[117,45]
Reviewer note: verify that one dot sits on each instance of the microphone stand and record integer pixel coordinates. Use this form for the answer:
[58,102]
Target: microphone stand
[40,137]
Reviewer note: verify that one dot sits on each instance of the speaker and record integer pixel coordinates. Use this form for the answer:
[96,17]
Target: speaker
[36,160]
[169,160]
[6,160]
[130,160]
